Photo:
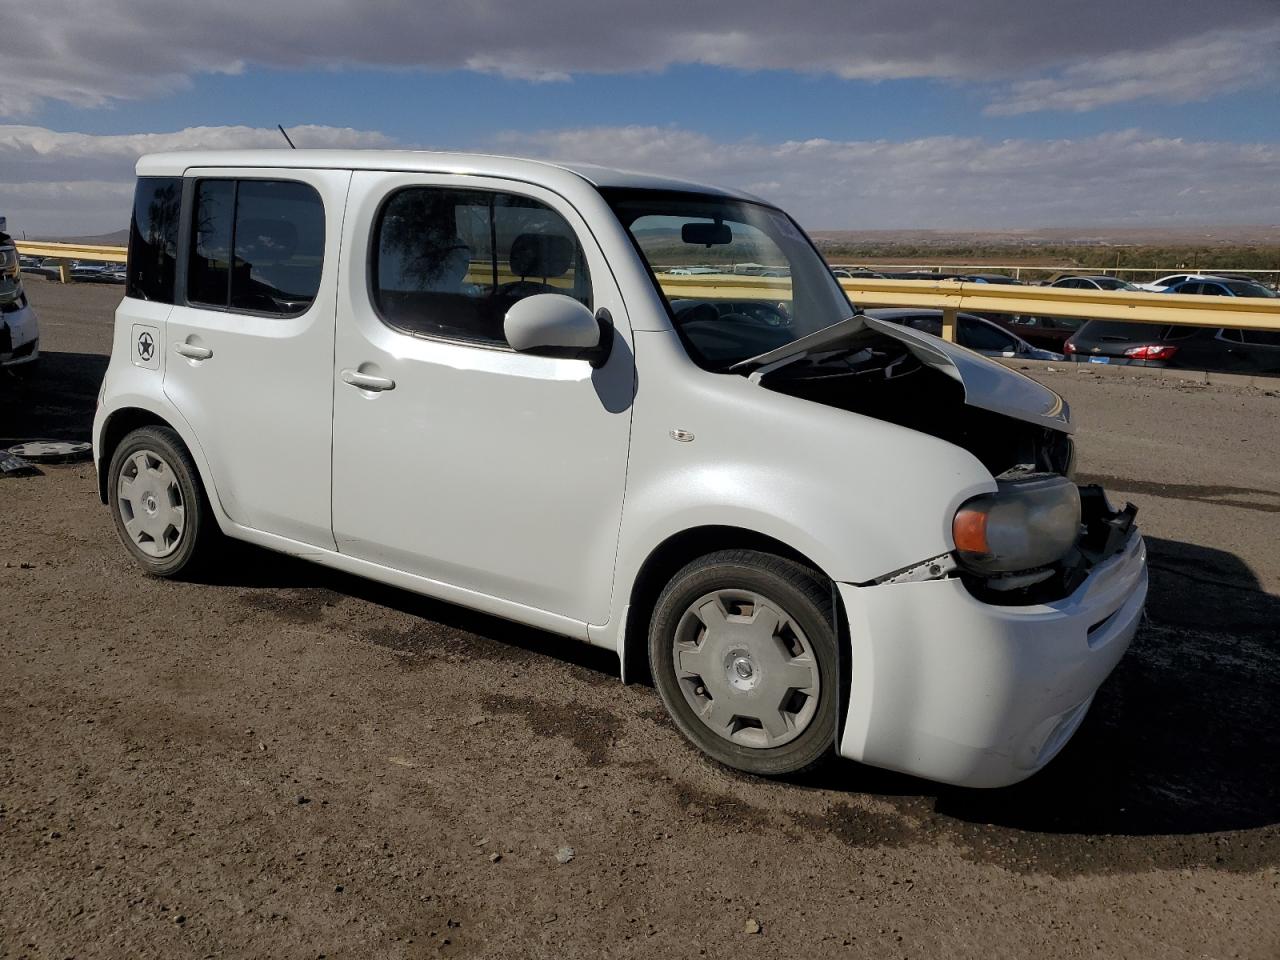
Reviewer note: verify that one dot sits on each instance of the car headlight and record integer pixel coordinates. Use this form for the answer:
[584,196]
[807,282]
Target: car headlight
[1026,524]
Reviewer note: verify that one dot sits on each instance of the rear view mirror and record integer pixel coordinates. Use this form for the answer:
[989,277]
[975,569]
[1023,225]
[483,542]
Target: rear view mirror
[706,234]
[553,325]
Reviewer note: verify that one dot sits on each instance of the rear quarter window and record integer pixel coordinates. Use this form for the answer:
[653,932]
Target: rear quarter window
[153,239]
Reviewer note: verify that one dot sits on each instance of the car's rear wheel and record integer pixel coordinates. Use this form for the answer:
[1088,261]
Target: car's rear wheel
[158,503]
[742,645]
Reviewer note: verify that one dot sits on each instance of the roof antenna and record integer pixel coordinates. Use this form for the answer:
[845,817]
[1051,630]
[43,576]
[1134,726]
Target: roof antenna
[286,137]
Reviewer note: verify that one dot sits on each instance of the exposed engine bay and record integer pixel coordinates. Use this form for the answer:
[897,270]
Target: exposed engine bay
[883,379]
[879,376]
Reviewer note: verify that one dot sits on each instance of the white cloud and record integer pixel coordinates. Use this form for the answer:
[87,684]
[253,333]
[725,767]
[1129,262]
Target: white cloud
[67,184]
[93,52]
[63,184]
[1126,178]
[1197,68]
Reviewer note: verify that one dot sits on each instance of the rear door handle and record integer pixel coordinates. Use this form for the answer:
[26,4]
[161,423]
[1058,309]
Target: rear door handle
[192,352]
[367,381]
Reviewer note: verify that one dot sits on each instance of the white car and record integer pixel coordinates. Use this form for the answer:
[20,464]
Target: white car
[1164,283]
[471,377]
[19,329]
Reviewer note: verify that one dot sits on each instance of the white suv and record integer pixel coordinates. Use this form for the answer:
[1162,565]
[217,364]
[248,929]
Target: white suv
[482,379]
[19,329]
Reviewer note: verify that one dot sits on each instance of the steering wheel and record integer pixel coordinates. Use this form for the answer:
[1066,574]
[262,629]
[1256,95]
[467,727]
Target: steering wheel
[701,312]
[761,314]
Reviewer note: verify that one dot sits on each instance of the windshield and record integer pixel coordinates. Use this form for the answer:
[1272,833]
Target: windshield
[739,279]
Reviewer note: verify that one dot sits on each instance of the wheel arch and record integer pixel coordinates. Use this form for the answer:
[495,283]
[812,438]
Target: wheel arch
[668,557]
[118,425]
[130,416]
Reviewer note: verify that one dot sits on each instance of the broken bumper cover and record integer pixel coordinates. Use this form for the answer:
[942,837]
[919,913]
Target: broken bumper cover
[945,686]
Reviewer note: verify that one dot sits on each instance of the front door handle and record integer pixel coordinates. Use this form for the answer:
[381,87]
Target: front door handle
[192,352]
[367,381]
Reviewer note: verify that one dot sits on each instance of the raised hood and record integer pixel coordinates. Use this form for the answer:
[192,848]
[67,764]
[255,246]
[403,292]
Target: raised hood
[987,385]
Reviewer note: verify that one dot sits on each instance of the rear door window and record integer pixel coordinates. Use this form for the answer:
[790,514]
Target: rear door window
[257,246]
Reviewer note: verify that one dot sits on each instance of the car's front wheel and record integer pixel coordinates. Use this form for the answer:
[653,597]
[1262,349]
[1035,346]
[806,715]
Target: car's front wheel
[742,645]
[158,503]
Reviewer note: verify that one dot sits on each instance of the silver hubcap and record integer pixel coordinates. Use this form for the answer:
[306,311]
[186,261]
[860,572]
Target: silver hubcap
[746,668]
[151,504]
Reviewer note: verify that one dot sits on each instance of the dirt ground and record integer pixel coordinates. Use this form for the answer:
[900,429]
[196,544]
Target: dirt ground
[295,763]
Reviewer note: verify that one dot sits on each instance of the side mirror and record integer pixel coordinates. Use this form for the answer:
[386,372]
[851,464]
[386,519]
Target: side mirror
[553,325]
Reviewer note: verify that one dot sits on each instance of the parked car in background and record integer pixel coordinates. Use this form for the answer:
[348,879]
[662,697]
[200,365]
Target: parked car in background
[1223,287]
[19,330]
[694,271]
[46,268]
[845,273]
[1096,282]
[86,272]
[1052,333]
[1172,280]
[988,278]
[1046,333]
[1158,345]
[99,273]
[974,332]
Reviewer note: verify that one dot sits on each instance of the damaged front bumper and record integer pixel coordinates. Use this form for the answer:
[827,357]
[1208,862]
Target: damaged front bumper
[19,333]
[954,688]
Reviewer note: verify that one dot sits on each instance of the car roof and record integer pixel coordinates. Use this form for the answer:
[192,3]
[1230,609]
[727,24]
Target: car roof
[426,161]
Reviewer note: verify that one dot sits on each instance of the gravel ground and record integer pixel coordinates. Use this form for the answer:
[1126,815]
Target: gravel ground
[296,763]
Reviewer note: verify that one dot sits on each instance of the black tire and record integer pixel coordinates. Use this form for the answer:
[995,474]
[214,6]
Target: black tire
[199,537]
[805,596]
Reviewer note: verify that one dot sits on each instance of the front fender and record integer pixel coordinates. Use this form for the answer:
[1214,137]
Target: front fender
[858,496]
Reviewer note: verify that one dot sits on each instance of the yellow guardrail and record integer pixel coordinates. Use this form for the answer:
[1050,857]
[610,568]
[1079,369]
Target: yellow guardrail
[64,253]
[1016,270]
[949,296]
[72,251]
[953,296]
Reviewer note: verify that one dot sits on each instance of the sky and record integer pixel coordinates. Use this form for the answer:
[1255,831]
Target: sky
[879,114]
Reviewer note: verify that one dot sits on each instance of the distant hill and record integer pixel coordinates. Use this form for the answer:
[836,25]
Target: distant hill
[1226,235]
[1204,236]
[118,239]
